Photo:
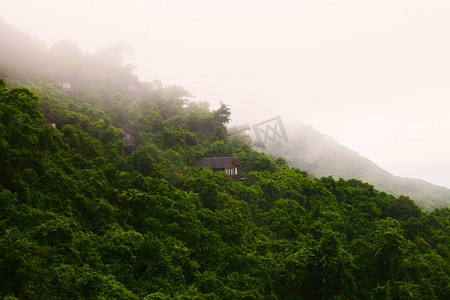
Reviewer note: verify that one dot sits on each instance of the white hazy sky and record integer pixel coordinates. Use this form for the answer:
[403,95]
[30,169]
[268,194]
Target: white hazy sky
[375,75]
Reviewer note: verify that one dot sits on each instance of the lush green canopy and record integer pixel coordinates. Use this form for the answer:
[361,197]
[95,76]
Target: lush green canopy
[81,219]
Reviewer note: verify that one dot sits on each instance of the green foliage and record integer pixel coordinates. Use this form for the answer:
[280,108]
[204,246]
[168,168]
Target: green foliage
[402,208]
[17,115]
[81,218]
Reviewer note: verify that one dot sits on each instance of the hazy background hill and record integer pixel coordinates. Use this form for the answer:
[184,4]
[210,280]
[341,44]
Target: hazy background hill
[321,155]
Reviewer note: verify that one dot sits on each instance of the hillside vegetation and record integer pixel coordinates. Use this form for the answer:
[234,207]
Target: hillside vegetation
[321,155]
[80,218]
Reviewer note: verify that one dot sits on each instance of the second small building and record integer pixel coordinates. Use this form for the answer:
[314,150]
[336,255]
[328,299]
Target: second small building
[229,165]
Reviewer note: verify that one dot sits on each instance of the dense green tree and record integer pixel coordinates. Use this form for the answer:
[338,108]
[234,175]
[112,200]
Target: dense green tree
[402,208]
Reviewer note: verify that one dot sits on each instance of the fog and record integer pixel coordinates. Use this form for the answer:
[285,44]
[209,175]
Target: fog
[374,75]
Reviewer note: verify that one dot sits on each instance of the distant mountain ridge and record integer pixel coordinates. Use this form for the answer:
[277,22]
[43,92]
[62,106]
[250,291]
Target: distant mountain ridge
[321,156]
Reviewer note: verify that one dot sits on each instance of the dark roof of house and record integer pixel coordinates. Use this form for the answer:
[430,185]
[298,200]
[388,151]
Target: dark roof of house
[125,128]
[124,81]
[62,78]
[216,162]
[50,118]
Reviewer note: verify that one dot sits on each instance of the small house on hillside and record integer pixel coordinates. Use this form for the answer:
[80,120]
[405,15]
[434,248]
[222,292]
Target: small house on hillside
[130,138]
[229,165]
[130,85]
[130,135]
[51,120]
[65,83]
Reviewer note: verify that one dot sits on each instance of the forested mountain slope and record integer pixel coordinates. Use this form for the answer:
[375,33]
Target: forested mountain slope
[79,218]
[321,155]
[82,219]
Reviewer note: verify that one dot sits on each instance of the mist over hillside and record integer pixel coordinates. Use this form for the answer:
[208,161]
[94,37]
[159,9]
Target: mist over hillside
[30,59]
[322,156]
[102,197]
